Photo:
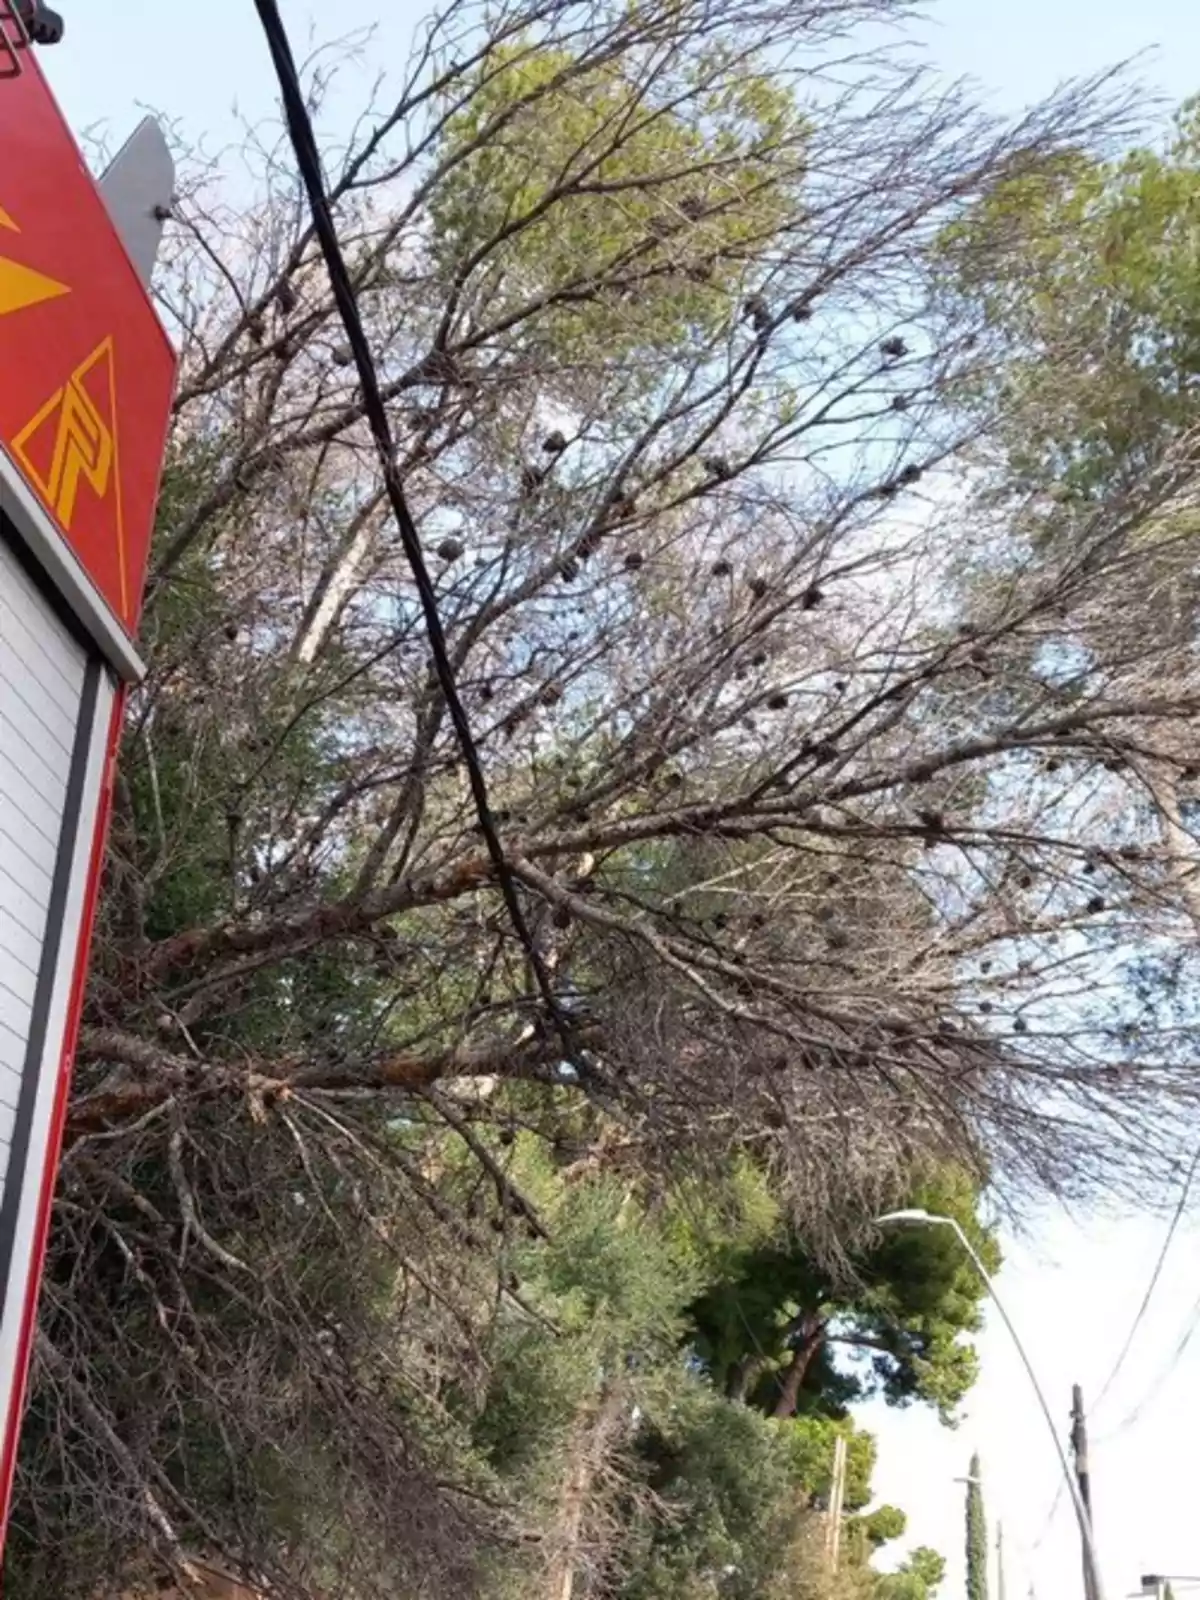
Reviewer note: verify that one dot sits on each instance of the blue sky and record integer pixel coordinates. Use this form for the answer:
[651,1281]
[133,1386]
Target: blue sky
[1071,1284]
[1022,50]
[196,62]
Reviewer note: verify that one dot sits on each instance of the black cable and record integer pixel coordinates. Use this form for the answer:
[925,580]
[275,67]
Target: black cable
[1191,1326]
[308,161]
[1048,1522]
[1156,1274]
[1181,1205]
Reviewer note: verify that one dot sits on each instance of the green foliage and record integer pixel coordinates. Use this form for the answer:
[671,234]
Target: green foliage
[711,1224]
[612,1272]
[609,1285]
[977,1543]
[714,1497]
[1085,275]
[917,1578]
[732,1492]
[892,1325]
[729,1489]
[811,1443]
[636,214]
[900,1585]
[889,1522]
[1087,272]
[928,1566]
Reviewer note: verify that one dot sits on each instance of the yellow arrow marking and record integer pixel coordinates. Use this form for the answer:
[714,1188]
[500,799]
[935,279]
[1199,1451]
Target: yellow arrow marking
[22,286]
[85,447]
[7,222]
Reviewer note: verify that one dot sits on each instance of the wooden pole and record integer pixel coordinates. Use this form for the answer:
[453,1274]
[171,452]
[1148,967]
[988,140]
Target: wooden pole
[1079,1447]
[837,1496]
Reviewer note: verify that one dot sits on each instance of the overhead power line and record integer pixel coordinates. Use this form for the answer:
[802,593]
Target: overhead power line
[1189,1333]
[1156,1274]
[1139,1316]
[308,161]
[1048,1522]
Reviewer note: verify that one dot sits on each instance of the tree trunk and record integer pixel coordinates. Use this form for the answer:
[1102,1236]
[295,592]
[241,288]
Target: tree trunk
[336,584]
[594,1434]
[811,1338]
[742,1376]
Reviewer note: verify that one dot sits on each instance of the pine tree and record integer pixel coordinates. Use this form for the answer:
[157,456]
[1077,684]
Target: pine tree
[977,1546]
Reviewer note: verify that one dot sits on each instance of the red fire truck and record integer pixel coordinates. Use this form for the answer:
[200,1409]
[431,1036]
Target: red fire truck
[86,378]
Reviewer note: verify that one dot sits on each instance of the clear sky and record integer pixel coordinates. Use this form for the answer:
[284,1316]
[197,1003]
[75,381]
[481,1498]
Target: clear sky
[196,62]
[1071,1286]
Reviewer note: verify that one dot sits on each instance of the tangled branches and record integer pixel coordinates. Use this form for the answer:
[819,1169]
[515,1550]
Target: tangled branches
[836,857]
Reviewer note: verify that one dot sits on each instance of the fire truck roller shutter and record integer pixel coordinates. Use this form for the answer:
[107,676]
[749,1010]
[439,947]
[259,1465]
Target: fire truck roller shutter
[56,701]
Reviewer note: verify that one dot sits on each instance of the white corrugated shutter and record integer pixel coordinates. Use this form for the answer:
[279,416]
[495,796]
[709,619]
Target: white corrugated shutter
[56,709]
[41,683]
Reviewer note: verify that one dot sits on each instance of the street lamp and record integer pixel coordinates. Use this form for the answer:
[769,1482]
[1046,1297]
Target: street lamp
[931,1219]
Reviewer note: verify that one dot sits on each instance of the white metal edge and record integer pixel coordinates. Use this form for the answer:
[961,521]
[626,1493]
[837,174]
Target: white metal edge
[12,1312]
[138,188]
[66,572]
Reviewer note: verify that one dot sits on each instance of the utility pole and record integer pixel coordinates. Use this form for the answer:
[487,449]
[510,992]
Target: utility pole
[1079,1448]
[837,1496]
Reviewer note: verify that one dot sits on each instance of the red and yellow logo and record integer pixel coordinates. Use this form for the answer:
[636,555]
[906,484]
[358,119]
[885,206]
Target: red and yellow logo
[87,371]
[70,444]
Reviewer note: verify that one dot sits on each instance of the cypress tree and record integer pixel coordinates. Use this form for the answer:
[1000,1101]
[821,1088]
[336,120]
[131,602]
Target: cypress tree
[977,1546]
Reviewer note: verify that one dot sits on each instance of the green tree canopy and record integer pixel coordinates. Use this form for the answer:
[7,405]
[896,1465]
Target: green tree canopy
[1085,271]
[918,1577]
[1082,274]
[660,1485]
[794,1336]
[632,204]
